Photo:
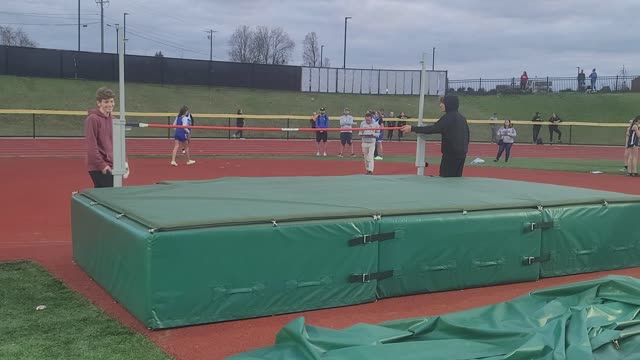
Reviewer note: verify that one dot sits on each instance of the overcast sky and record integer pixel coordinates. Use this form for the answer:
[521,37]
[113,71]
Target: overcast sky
[473,38]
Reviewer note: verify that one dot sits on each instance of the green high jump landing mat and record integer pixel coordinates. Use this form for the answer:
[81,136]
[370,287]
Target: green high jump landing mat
[190,252]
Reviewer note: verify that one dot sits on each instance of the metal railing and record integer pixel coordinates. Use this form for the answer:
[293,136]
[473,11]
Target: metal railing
[539,84]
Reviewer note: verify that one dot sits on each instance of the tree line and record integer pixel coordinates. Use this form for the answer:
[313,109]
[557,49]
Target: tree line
[264,45]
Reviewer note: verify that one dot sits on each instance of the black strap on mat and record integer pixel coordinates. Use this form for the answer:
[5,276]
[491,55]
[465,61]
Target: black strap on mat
[368,277]
[371,238]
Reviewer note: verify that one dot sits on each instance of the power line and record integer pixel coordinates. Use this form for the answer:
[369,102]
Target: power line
[102,3]
[46,14]
[166,44]
[47,24]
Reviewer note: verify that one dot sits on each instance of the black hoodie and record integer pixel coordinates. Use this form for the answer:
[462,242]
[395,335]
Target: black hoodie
[453,127]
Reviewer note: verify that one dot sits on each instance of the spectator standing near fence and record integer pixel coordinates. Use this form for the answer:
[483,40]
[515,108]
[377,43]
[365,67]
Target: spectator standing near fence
[322,122]
[593,77]
[378,151]
[401,122]
[554,128]
[524,79]
[494,128]
[369,133]
[506,136]
[633,134]
[582,78]
[537,119]
[455,136]
[98,134]
[240,124]
[346,135]
[390,124]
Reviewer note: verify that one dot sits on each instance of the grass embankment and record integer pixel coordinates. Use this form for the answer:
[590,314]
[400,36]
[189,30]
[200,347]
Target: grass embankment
[58,94]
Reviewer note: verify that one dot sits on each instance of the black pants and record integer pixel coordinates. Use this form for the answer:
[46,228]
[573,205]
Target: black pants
[502,147]
[552,129]
[239,132]
[451,165]
[536,133]
[101,180]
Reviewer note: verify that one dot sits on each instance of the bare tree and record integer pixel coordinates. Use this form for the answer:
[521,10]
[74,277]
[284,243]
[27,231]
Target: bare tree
[310,50]
[326,62]
[15,37]
[240,45]
[281,47]
[260,46]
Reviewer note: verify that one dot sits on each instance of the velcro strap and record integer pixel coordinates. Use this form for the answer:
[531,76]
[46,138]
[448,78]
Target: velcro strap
[539,225]
[368,277]
[371,238]
[530,260]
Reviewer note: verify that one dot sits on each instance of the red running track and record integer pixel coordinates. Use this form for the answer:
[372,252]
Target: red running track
[36,226]
[137,146]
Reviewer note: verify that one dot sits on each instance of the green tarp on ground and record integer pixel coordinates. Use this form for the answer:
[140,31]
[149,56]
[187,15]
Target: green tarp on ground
[192,252]
[598,319]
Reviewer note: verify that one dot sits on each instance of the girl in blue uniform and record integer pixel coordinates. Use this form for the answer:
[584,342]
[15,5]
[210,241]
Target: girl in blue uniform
[181,136]
[633,133]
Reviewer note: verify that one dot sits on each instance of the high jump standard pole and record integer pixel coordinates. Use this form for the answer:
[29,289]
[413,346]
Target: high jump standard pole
[420,142]
[119,150]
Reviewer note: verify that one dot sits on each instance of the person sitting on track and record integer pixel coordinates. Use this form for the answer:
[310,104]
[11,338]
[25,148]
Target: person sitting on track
[455,136]
[98,133]
[181,136]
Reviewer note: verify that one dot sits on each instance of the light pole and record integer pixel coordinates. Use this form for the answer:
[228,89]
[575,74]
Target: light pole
[124,34]
[433,59]
[321,52]
[344,64]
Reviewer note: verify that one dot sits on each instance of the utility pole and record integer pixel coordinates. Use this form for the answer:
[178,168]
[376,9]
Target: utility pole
[102,3]
[124,33]
[344,64]
[210,37]
[78,25]
[321,52]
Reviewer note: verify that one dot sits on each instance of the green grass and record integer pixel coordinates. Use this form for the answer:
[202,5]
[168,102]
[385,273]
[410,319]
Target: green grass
[58,94]
[69,328]
[574,165]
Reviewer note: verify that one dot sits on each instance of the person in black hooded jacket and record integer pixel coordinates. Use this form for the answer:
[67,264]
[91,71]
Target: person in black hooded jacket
[455,136]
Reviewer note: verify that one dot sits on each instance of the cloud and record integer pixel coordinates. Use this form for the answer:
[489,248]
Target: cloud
[489,39]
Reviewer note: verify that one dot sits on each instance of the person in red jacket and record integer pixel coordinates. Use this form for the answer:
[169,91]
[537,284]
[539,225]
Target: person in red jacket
[98,133]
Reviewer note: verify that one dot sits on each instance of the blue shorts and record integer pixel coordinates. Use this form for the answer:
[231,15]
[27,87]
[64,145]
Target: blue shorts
[181,135]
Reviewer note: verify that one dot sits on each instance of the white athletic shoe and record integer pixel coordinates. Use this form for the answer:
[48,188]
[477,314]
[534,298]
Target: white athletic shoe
[173,163]
[191,162]
[378,158]
[317,154]
[325,154]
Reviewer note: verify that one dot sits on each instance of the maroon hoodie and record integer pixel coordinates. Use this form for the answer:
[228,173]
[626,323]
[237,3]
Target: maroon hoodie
[98,133]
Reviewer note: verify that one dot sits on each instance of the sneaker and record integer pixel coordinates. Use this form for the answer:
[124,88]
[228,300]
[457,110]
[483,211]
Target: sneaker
[184,151]
[325,154]
[173,163]
[317,154]
[378,158]
[340,155]
[369,173]
[191,162]
[353,155]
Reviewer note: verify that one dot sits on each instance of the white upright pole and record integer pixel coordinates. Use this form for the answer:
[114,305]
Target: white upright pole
[420,143]
[119,150]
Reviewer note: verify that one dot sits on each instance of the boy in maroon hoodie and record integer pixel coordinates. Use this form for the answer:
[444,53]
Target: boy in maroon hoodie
[98,133]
